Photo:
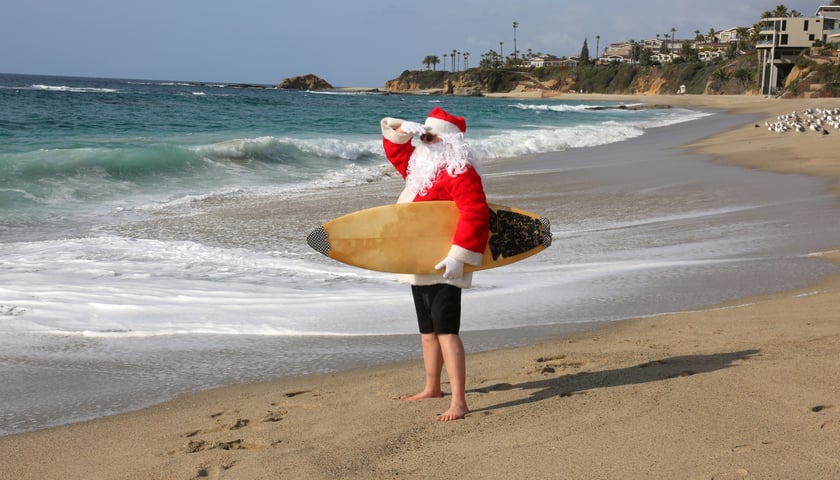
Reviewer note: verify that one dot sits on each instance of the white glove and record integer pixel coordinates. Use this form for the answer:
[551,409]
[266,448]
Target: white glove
[413,128]
[454,268]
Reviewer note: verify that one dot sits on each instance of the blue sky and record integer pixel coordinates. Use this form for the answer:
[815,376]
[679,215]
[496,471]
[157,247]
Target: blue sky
[359,43]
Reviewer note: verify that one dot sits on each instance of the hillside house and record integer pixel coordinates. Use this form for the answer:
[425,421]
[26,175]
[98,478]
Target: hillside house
[550,61]
[664,58]
[782,39]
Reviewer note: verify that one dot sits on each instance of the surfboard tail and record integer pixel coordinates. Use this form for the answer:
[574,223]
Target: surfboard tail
[546,232]
[319,240]
[513,232]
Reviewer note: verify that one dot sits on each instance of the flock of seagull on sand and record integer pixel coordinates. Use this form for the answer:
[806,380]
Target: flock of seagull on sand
[814,119]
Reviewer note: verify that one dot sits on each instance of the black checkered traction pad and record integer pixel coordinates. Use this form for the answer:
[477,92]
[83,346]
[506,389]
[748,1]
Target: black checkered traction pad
[513,233]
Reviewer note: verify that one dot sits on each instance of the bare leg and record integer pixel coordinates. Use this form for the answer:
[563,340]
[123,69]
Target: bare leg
[455,360]
[433,363]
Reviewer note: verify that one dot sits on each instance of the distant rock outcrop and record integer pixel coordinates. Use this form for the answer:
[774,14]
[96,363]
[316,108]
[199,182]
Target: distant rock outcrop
[305,82]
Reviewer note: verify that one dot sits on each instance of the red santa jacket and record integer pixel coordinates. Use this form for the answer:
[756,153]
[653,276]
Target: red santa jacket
[465,189]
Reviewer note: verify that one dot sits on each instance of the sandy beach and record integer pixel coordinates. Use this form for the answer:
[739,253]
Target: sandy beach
[745,390]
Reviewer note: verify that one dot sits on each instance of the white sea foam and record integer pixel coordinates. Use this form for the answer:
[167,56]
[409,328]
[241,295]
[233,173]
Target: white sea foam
[116,287]
[344,93]
[113,286]
[64,88]
[535,139]
[554,107]
[543,140]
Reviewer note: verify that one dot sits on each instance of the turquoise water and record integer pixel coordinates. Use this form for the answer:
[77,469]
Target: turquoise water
[76,148]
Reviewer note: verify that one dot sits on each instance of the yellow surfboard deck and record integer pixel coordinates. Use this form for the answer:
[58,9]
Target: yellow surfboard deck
[413,237]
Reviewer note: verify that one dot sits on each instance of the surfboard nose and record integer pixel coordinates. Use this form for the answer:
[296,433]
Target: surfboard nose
[318,240]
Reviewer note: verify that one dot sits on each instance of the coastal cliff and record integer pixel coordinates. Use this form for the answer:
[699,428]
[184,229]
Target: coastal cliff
[813,76]
[472,82]
[610,79]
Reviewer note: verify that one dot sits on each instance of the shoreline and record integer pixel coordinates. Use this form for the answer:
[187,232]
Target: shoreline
[732,391]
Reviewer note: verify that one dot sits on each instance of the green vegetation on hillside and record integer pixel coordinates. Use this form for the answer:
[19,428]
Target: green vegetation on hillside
[735,76]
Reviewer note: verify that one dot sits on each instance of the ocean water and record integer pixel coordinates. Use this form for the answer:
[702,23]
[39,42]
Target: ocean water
[152,233]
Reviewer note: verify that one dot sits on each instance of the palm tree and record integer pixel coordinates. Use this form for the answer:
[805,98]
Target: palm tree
[466,57]
[454,56]
[673,32]
[743,33]
[667,47]
[781,11]
[430,60]
[634,50]
[597,47]
[515,25]
[501,52]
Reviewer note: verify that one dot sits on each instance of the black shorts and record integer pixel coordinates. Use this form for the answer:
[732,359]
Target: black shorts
[438,308]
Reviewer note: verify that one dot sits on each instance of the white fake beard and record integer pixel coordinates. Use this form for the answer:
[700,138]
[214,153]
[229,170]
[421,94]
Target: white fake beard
[428,159]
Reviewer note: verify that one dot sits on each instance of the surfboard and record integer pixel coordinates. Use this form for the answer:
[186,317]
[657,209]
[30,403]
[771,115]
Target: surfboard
[413,237]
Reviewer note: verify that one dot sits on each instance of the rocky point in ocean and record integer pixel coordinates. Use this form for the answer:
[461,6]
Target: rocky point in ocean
[305,82]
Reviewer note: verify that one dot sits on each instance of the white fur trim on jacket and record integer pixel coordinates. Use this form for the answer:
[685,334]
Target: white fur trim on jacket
[467,256]
[442,127]
[389,130]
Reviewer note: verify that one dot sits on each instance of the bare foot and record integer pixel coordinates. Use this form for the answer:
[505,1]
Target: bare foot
[421,396]
[454,413]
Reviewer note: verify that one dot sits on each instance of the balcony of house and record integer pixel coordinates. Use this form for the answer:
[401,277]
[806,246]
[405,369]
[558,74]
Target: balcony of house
[793,32]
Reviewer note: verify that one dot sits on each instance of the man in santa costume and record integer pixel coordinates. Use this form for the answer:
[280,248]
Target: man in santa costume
[440,167]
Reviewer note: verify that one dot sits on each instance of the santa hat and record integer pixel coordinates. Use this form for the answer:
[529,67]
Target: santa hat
[439,122]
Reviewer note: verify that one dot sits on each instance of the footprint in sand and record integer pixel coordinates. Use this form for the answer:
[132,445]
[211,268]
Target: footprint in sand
[750,447]
[225,421]
[230,431]
[206,471]
[295,394]
[229,422]
[195,446]
[831,424]
[549,365]
[274,415]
